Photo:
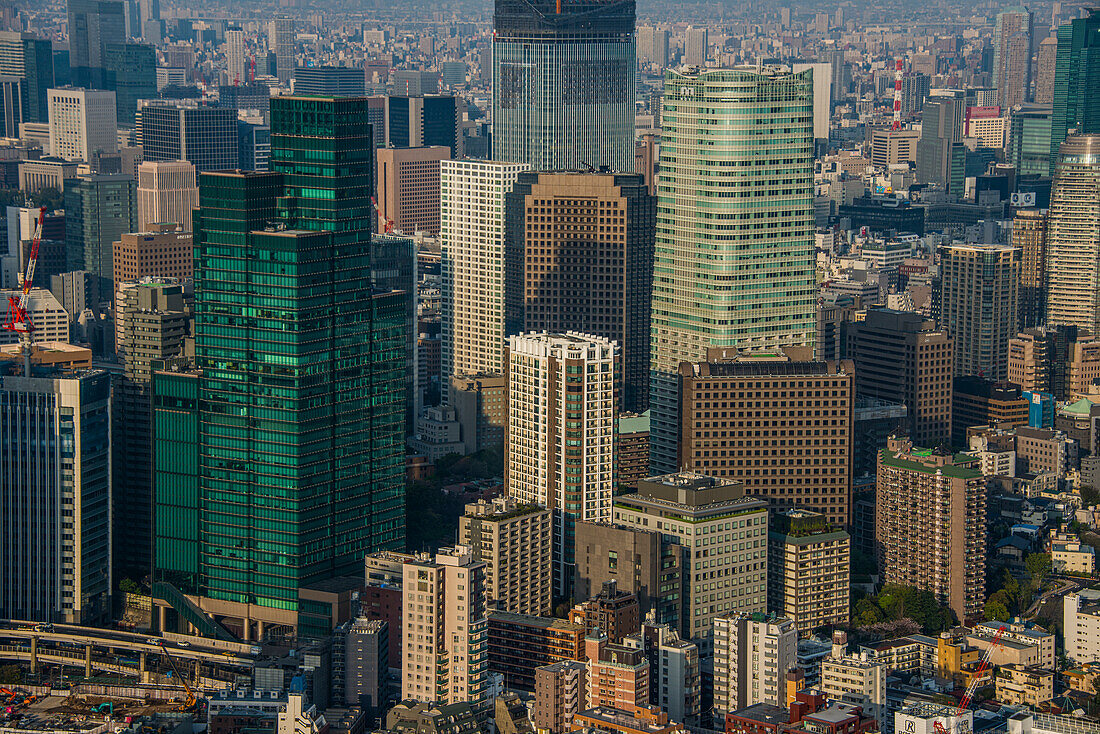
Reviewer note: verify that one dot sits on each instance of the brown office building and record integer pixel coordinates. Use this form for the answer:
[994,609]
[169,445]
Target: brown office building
[408,187]
[780,424]
[930,525]
[980,402]
[613,611]
[1029,234]
[640,562]
[901,357]
[162,252]
[1061,360]
[632,458]
[560,693]
[481,402]
[519,643]
[579,257]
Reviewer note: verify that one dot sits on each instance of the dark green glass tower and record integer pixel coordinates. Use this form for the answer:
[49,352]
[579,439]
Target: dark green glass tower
[301,393]
[1076,81]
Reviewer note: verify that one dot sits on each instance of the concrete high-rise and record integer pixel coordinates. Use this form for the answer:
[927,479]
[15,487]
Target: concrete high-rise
[130,71]
[83,124]
[560,450]
[1076,82]
[167,191]
[513,541]
[979,305]
[1029,236]
[339,494]
[941,131]
[1046,63]
[722,417]
[408,187]
[235,61]
[98,211]
[1013,40]
[151,323]
[902,358]
[55,535]
[579,257]
[720,279]
[30,59]
[93,25]
[1073,234]
[930,525]
[563,84]
[694,510]
[330,81]
[204,136]
[752,655]
[809,570]
[444,651]
[471,234]
[284,34]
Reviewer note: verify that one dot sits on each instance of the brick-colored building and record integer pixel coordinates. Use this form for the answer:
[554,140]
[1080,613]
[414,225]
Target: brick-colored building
[780,424]
[930,525]
[408,187]
[613,611]
[618,676]
[632,458]
[561,690]
[162,252]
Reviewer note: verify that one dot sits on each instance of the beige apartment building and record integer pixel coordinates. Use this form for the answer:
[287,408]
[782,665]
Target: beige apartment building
[930,524]
[513,541]
[444,629]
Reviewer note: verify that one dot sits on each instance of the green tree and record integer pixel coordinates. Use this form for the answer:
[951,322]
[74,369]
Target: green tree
[995,610]
[129,586]
[1089,496]
[11,674]
[48,197]
[1038,567]
[866,612]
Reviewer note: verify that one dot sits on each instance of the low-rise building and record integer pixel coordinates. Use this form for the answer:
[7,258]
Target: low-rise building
[1038,643]
[1072,556]
[858,680]
[519,644]
[636,720]
[614,612]
[1017,685]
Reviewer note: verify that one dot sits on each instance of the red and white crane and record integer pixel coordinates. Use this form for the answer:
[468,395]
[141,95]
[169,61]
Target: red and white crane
[387,223]
[18,321]
[898,73]
[975,680]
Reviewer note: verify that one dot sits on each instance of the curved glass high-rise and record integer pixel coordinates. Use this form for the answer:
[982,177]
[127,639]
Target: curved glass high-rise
[734,259]
[563,83]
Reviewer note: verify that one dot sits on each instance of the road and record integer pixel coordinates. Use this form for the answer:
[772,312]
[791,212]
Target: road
[1065,586]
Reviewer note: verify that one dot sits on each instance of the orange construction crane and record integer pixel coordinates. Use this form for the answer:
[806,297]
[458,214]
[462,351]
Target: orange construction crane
[18,321]
[192,699]
[975,680]
[388,226]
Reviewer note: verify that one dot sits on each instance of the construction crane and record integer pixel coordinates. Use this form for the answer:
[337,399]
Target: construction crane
[388,226]
[975,679]
[898,69]
[192,699]
[18,321]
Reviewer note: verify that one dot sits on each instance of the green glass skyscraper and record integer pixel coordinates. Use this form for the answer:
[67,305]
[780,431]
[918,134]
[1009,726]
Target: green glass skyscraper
[301,398]
[734,262]
[1076,82]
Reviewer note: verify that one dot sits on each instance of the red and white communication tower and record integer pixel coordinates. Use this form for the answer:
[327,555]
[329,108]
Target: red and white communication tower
[897,93]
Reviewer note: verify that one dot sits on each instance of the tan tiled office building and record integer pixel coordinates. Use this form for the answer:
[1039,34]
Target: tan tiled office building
[162,252]
[167,191]
[513,541]
[930,525]
[408,187]
[809,569]
[780,425]
[580,245]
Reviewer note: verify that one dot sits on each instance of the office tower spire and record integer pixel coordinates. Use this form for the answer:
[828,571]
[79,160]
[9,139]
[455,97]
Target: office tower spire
[563,83]
[734,263]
